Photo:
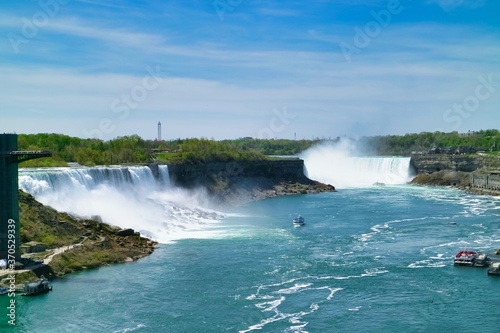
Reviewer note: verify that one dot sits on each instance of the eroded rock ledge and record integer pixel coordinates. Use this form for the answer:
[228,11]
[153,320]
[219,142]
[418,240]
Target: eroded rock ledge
[238,182]
[478,174]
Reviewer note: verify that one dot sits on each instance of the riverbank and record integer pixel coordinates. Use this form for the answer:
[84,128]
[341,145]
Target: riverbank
[474,173]
[70,244]
[458,179]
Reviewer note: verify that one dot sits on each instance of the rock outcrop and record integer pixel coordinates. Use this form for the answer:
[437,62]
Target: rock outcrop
[478,174]
[229,182]
[443,178]
[89,243]
[427,163]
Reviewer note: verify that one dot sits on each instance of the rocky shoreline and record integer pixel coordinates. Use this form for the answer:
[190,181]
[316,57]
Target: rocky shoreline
[245,190]
[72,244]
[458,179]
[473,173]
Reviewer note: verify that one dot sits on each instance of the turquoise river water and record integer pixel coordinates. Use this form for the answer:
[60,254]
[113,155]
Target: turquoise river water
[369,259]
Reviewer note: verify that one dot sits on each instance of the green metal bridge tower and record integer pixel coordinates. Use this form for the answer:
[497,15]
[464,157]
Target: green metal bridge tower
[10,157]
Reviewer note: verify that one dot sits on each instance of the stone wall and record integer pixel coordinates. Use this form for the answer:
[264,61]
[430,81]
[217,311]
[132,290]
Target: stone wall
[489,181]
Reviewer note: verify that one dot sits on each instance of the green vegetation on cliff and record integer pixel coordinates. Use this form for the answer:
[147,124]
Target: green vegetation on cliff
[273,146]
[93,243]
[128,149]
[204,150]
[133,149]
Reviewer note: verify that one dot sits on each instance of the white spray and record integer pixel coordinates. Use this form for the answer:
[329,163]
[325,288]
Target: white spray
[337,164]
[127,197]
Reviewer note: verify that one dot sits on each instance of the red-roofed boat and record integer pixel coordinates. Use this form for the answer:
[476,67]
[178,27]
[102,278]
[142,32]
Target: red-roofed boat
[465,258]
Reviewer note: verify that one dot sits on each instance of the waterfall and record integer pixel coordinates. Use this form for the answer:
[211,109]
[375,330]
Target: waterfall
[164,175]
[129,197]
[336,166]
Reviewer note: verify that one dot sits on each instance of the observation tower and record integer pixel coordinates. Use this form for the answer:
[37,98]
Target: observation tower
[10,157]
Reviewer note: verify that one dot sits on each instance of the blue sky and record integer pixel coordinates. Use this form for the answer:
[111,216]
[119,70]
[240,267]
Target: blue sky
[234,68]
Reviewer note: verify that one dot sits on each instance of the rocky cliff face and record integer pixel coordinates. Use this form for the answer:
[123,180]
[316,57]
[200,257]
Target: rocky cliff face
[206,174]
[247,180]
[428,163]
[474,173]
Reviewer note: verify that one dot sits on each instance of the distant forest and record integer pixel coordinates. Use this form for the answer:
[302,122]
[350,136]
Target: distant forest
[133,149]
[485,140]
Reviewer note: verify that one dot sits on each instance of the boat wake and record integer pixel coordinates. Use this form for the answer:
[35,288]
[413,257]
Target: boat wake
[272,299]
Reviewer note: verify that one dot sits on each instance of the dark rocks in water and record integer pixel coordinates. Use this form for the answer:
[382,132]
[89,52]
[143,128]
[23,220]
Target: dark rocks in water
[125,232]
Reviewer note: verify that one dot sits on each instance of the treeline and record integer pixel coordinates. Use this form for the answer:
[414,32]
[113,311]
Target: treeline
[89,152]
[204,150]
[133,149]
[486,140]
[272,146]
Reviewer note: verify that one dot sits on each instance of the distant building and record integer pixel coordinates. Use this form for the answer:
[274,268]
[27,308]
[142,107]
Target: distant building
[33,247]
[469,133]
[452,150]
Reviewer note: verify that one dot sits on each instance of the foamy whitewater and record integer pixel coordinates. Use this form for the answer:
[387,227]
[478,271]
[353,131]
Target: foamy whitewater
[339,166]
[129,197]
[369,259]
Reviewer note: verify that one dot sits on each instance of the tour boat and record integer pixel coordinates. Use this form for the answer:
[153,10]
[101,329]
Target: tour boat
[465,258]
[494,269]
[481,260]
[299,220]
[40,286]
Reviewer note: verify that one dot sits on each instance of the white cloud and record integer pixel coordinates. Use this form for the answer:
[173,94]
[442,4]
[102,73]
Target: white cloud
[406,78]
[451,4]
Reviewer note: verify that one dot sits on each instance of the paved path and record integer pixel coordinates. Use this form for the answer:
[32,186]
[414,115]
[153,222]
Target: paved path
[46,260]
